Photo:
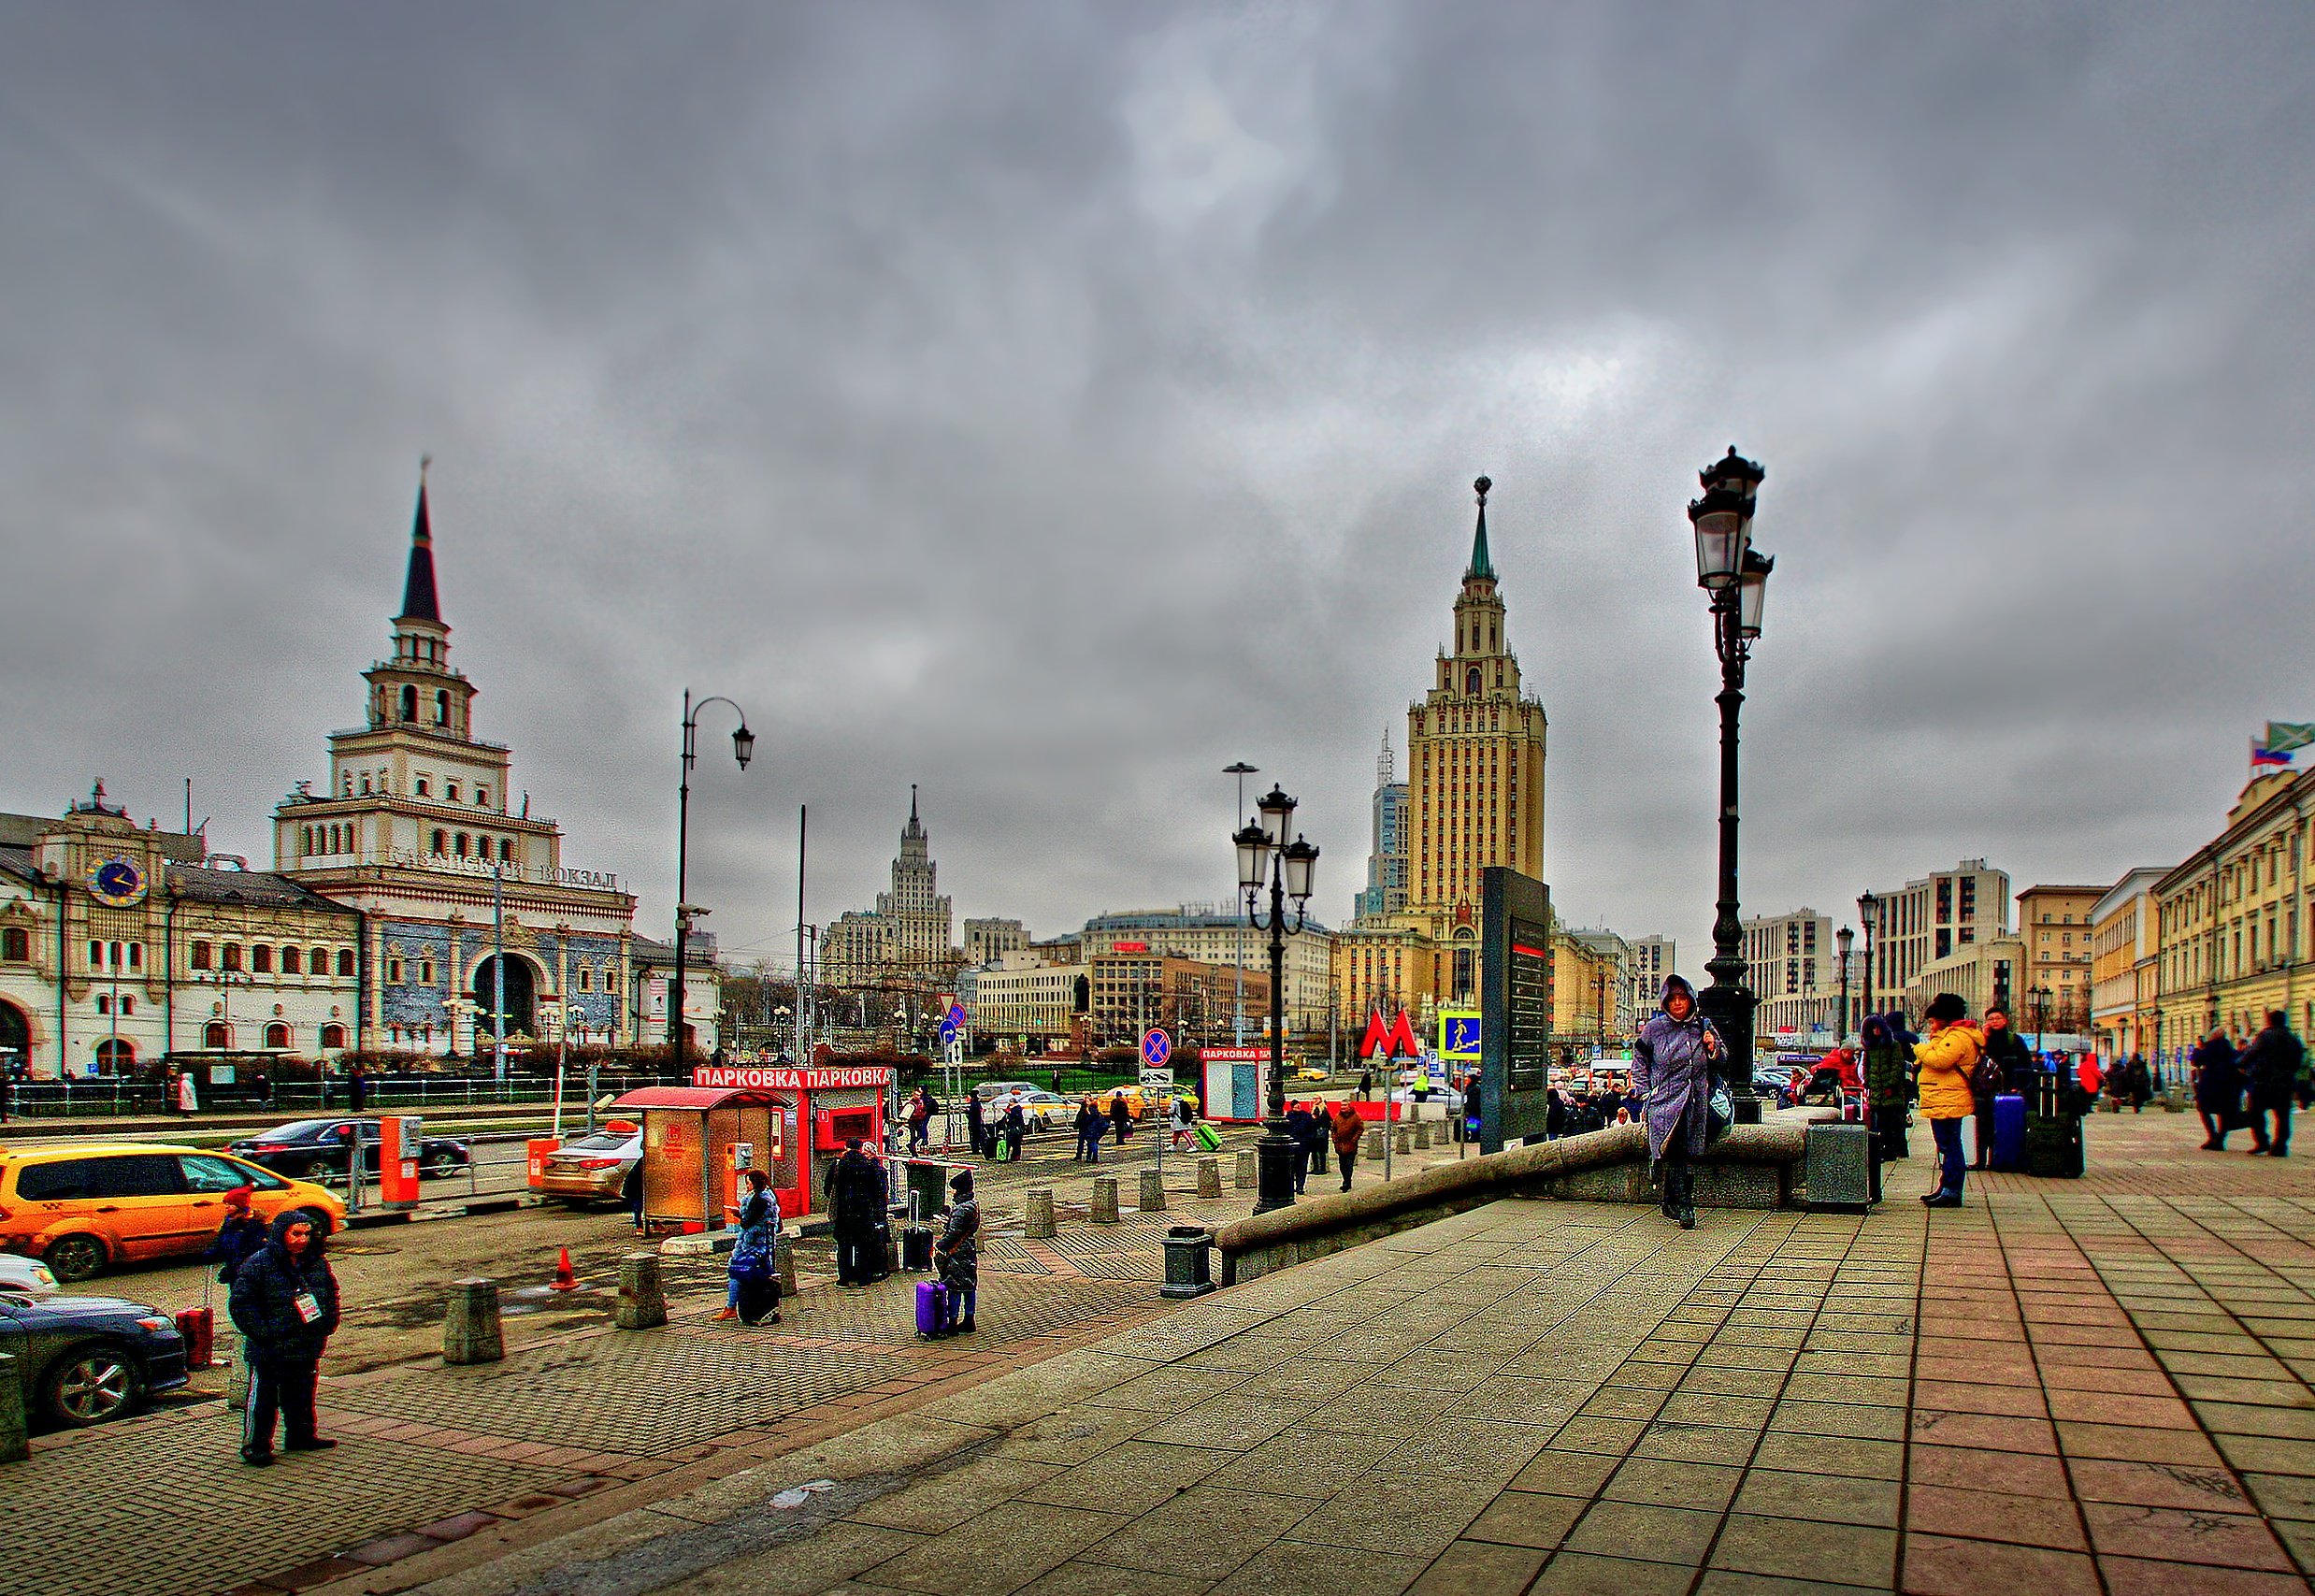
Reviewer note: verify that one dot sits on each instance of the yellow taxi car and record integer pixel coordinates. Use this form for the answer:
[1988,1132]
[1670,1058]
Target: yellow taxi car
[1313,1073]
[1141,1104]
[84,1206]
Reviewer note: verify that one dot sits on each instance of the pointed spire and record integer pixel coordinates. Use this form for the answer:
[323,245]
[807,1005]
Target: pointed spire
[1480,564]
[417,599]
[912,802]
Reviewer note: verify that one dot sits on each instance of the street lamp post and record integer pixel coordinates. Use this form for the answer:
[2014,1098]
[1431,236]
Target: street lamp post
[1736,576]
[2041,1015]
[1263,852]
[1241,770]
[744,750]
[1844,939]
[1869,916]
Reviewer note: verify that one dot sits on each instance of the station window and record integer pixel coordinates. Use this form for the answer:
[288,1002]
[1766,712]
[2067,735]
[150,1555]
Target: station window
[16,944]
[345,961]
[200,959]
[420,787]
[293,962]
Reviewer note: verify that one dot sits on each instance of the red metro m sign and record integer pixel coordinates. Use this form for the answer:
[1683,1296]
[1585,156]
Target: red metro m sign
[1393,1041]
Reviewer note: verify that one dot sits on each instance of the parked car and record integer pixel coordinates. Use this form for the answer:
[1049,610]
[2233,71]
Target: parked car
[1313,1073]
[989,1091]
[80,1208]
[25,1276]
[85,1360]
[1446,1099]
[307,1147]
[594,1168]
[1041,1109]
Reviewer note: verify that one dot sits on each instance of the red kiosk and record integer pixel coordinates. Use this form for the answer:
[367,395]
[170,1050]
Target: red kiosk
[820,1106]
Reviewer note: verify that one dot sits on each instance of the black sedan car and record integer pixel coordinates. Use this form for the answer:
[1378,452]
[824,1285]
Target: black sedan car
[85,1360]
[306,1148]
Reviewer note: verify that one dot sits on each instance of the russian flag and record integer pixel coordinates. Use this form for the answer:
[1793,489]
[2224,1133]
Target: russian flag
[2262,754]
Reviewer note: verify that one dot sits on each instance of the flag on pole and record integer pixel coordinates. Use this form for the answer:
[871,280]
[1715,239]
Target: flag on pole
[2284,736]
[2262,754]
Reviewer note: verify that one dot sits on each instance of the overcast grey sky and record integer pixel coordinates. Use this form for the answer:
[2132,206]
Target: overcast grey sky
[1051,404]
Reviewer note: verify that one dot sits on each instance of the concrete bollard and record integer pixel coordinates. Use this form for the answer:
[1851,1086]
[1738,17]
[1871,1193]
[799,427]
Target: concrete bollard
[1105,1199]
[1037,1223]
[1209,1177]
[783,1261]
[643,1302]
[470,1330]
[1374,1147]
[14,1446]
[1153,1192]
[1422,1135]
[1405,1141]
[1248,1173]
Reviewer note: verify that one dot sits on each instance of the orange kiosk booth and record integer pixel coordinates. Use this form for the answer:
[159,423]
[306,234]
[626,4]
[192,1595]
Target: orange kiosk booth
[820,1106]
[696,1141]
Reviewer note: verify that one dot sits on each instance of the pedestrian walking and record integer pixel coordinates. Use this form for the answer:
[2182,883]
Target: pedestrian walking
[1671,1077]
[188,1093]
[8,1089]
[1322,1135]
[919,1119]
[357,1086]
[1300,1129]
[1555,1114]
[284,1303]
[2137,1082]
[976,1125]
[1057,1079]
[1366,1083]
[1016,1130]
[1091,1125]
[958,1256]
[1888,1087]
[242,1233]
[859,1205]
[2218,1076]
[2272,1062]
[1944,1061]
[1120,1115]
[2012,1067]
[1348,1129]
[753,1293]
[631,1192]
[169,1090]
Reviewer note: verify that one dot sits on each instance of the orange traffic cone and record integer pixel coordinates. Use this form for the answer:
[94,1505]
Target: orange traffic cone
[564,1279]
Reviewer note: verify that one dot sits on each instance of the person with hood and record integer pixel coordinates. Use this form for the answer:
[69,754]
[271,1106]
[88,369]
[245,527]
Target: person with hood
[284,1303]
[2217,1089]
[1348,1129]
[631,1192]
[859,1202]
[1555,1114]
[958,1256]
[1943,1063]
[1888,1087]
[1672,1062]
[2009,1056]
[1301,1128]
[2272,1061]
[242,1233]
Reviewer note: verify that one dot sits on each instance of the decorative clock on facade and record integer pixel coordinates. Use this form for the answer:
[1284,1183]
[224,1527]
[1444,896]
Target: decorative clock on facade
[116,884]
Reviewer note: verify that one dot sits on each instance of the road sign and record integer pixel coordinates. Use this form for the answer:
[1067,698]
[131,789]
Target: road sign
[1157,1047]
[1159,1081]
[948,1030]
[1459,1035]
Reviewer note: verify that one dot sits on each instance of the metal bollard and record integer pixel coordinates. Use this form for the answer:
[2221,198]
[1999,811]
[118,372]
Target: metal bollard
[1036,1219]
[1153,1192]
[643,1302]
[1105,1199]
[470,1329]
[1247,1175]
[14,1446]
[1209,1177]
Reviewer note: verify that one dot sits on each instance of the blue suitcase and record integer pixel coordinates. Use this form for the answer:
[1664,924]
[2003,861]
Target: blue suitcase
[929,1295]
[2009,1132]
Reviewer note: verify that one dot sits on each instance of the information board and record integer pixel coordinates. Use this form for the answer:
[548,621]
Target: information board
[1515,1007]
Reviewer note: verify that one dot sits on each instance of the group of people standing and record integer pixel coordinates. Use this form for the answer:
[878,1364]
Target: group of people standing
[2272,1075]
[1094,1121]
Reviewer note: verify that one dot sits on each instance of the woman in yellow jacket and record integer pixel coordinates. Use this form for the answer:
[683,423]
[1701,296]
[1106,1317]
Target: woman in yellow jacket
[1943,1061]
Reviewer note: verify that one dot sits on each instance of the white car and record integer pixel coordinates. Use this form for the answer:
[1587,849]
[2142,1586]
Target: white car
[25,1276]
[1446,1099]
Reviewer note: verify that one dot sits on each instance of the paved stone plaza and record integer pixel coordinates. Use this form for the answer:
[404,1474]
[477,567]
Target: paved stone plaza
[2095,1386]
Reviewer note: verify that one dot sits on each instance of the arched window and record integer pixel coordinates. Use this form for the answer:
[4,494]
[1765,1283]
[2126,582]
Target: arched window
[1471,682]
[421,785]
[128,1004]
[215,1035]
[261,960]
[304,839]
[506,852]
[441,706]
[440,841]
[233,955]
[586,978]
[114,1056]
[277,1035]
[333,1036]
[345,961]
[293,962]
[104,1004]
[16,944]
[481,796]
[200,959]
[462,844]
[319,962]
[410,703]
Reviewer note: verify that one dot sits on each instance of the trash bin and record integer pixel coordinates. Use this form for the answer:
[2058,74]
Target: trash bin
[1188,1265]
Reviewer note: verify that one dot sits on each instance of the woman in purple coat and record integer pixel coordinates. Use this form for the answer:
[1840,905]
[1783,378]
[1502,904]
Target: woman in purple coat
[1670,1075]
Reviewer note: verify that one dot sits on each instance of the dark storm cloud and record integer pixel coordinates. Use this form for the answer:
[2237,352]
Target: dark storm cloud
[1051,405]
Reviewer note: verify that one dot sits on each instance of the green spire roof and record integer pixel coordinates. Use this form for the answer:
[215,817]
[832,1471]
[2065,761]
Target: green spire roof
[1480,564]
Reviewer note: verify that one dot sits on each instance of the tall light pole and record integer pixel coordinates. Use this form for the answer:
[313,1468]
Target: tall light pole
[744,750]
[1238,939]
[1844,939]
[1869,916]
[1263,852]
[1736,576]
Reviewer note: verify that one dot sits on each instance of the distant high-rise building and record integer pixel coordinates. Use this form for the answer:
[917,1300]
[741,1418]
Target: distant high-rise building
[1793,968]
[1927,920]
[1647,961]
[905,938]
[987,941]
[1386,891]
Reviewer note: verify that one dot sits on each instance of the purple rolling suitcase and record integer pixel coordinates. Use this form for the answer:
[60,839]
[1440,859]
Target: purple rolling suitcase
[929,1295]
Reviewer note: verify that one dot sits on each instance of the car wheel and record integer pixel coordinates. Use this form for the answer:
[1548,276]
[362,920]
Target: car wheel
[441,1164]
[76,1257]
[90,1385]
[319,1221]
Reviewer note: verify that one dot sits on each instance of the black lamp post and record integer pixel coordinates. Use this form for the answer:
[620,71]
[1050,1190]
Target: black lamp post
[1736,576]
[744,750]
[2041,1015]
[1844,939]
[1869,916]
[1263,852]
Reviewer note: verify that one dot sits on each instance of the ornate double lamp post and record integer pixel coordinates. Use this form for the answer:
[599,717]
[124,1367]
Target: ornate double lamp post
[1735,575]
[1264,855]
[744,750]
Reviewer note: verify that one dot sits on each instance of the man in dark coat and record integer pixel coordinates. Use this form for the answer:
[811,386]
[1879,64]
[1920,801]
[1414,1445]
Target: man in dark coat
[1671,1076]
[2217,1089]
[2015,1064]
[1120,1116]
[284,1303]
[859,1201]
[2272,1061]
[976,1125]
[1300,1128]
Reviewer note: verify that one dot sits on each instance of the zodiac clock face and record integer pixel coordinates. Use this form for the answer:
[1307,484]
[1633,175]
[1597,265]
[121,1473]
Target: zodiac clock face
[116,882]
